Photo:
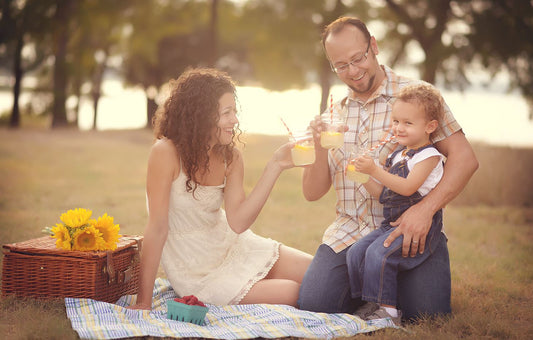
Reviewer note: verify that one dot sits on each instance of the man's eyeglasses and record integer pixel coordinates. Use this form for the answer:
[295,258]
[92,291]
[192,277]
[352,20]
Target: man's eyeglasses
[355,61]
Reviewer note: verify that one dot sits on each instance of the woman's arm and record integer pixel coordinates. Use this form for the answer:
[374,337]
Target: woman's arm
[241,211]
[163,166]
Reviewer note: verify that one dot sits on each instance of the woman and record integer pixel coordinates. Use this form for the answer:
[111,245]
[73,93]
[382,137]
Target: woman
[193,168]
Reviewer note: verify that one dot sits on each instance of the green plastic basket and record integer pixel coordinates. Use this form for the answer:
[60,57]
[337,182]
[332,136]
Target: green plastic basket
[187,313]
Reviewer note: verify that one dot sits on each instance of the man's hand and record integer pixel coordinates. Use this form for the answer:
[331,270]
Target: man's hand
[414,225]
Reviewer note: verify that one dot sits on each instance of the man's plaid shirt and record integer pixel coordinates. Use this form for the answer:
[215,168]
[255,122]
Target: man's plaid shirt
[369,123]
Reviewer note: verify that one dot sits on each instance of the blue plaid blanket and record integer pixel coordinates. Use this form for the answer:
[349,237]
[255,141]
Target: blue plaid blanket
[100,320]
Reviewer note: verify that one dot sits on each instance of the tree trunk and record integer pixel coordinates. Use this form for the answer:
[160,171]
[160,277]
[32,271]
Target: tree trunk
[96,99]
[151,107]
[429,72]
[325,83]
[14,121]
[325,68]
[59,111]
[97,87]
[213,49]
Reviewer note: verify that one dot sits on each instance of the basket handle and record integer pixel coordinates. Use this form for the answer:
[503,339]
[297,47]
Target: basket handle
[126,275]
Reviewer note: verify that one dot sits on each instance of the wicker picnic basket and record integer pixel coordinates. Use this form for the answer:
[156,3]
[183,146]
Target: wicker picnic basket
[37,268]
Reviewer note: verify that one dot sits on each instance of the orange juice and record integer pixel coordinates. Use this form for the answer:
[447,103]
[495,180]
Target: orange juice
[356,176]
[331,139]
[303,154]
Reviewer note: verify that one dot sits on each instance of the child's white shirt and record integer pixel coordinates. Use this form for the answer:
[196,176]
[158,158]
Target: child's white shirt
[436,174]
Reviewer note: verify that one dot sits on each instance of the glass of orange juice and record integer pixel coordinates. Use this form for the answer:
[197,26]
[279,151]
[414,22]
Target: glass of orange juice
[303,152]
[351,173]
[333,135]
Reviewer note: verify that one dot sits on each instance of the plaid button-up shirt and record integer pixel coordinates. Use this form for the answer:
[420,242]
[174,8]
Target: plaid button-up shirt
[358,213]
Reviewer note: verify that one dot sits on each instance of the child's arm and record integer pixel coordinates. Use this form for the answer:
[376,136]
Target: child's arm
[374,188]
[162,166]
[403,186]
[241,211]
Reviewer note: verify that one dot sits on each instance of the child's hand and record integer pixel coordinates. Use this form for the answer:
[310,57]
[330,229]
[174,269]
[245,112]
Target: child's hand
[365,164]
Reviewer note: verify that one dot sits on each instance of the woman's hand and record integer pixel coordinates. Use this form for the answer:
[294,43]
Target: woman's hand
[282,156]
[140,306]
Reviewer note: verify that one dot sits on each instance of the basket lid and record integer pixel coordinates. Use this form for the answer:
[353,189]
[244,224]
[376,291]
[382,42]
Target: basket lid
[47,246]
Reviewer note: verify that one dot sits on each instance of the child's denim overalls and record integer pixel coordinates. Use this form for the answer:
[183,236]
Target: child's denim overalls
[372,268]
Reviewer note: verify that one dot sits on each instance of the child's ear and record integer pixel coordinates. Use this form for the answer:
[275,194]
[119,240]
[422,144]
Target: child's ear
[432,126]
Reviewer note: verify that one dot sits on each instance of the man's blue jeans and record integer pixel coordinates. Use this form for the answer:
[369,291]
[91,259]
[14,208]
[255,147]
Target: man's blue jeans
[424,290]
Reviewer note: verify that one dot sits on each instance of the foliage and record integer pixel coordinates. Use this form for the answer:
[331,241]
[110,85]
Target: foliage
[270,43]
[22,24]
[455,34]
[501,37]
[436,30]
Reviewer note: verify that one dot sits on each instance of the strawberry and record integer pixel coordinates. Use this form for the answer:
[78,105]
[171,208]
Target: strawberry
[190,300]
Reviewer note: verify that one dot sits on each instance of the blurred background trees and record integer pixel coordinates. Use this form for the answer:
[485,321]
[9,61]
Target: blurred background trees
[71,46]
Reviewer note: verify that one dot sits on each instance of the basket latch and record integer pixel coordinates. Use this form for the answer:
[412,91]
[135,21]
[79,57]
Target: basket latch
[110,267]
[127,275]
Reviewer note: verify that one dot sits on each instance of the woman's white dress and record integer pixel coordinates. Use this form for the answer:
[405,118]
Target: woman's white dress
[203,256]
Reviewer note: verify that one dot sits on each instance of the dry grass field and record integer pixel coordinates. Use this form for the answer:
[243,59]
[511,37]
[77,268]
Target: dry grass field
[490,225]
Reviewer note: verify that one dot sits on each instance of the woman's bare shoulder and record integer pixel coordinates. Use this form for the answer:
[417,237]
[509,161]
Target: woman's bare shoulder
[163,155]
[164,147]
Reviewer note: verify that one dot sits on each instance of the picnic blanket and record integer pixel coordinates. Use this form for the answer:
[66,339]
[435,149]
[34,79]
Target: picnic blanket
[93,319]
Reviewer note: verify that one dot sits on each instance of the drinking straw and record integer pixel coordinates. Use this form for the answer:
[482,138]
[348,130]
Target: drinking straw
[384,141]
[331,108]
[287,127]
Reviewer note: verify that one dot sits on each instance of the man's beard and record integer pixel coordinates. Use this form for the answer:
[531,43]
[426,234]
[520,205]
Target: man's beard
[370,83]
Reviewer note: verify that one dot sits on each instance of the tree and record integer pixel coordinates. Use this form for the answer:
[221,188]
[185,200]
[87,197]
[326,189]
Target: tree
[168,37]
[502,38]
[62,21]
[97,34]
[283,40]
[22,23]
[454,34]
[429,24]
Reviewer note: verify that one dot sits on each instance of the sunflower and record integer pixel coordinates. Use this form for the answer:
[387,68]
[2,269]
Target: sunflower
[105,225]
[88,238]
[76,218]
[61,233]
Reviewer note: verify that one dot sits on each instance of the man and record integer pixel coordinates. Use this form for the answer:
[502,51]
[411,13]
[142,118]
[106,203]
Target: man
[424,290]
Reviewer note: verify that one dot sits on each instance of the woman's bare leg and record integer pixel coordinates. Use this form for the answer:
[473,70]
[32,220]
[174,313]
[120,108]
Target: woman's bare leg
[273,291]
[292,264]
[282,284]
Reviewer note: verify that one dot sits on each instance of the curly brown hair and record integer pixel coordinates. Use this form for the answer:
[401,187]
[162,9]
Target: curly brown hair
[190,114]
[427,96]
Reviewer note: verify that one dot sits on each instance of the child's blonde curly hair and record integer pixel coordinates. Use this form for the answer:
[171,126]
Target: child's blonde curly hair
[427,96]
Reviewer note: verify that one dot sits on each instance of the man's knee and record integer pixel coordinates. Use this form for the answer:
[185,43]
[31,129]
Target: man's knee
[325,287]
[426,289]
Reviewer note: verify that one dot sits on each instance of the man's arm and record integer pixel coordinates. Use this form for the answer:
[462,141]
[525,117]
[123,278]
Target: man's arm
[415,222]
[316,179]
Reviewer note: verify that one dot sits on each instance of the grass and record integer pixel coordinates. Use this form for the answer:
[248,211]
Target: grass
[44,173]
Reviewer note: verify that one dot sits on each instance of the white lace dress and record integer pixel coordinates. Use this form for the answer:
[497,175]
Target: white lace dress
[203,256]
